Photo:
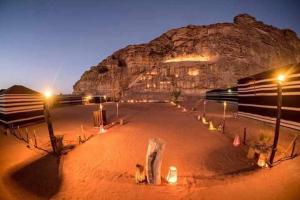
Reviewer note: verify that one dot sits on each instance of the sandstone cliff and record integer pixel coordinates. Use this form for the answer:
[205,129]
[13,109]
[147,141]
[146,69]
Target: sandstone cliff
[193,59]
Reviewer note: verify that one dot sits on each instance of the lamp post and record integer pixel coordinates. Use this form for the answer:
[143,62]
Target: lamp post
[48,95]
[204,105]
[224,116]
[117,110]
[280,80]
[101,114]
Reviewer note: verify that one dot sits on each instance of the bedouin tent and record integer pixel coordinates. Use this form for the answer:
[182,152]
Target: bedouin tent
[20,105]
[65,100]
[257,96]
[229,94]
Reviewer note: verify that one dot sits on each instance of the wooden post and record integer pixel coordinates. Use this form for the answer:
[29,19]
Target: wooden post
[204,108]
[245,136]
[117,110]
[50,127]
[27,135]
[277,127]
[293,149]
[82,131]
[35,140]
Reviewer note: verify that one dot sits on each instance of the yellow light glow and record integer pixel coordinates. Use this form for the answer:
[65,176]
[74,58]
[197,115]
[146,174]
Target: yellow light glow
[48,94]
[280,78]
[225,103]
[211,126]
[102,129]
[89,97]
[172,175]
[204,120]
[188,58]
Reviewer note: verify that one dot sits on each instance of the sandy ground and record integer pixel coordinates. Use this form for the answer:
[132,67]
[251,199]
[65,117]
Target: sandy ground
[208,165]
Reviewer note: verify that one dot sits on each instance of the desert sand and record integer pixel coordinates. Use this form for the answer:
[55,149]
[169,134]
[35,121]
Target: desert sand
[209,166]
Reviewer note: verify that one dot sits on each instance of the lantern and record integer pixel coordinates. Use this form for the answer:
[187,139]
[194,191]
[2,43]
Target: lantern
[178,106]
[236,141]
[204,120]
[262,160]
[172,175]
[211,126]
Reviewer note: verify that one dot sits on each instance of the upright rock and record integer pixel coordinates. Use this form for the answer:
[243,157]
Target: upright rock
[192,59]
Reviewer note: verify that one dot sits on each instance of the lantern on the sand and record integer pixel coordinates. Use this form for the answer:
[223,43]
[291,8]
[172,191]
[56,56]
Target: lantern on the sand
[236,141]
[262,160]
[172,175]
[211,126]
[204,120]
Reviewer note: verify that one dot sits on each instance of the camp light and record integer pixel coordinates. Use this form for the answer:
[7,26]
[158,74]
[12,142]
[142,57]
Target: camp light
[211,126]
[262,160]
[280,78]
[172,175]
[48,93]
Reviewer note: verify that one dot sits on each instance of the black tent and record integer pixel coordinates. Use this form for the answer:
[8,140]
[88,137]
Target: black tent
[20,105]
[258,96]
[228,94]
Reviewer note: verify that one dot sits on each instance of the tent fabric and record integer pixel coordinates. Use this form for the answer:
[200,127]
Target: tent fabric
[228,94]
[20,105]
[257,96]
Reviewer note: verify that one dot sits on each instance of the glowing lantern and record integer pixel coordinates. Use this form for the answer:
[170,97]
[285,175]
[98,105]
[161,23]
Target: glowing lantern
[204,120]
[88,98]
[172,175]
[198,117]
[236,141]
[262,160]
[211,126]
[178,106]
[102,129]
[184,110]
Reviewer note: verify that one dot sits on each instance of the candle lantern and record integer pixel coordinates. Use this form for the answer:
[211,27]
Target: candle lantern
[236,141]
[211,126]
[204,120]
[262,160]
[172,175]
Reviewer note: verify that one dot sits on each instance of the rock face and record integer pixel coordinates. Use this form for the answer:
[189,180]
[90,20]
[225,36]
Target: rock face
[192,59]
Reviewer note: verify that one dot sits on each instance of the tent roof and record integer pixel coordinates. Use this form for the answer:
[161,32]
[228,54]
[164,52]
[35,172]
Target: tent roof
[292,69]
[18,89]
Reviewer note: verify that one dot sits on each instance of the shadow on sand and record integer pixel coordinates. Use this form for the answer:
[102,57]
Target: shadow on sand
[229,160]
[41,177]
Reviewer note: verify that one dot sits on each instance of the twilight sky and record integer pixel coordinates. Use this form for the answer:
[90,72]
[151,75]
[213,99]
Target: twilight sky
[50,43]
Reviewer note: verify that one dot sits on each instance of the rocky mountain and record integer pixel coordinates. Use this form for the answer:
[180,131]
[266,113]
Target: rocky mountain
[192,59]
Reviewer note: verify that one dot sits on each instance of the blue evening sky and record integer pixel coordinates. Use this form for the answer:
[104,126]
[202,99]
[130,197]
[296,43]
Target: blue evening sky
[50,43]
